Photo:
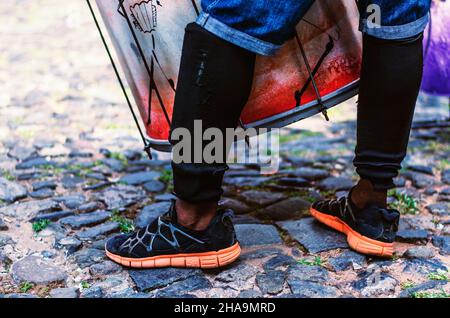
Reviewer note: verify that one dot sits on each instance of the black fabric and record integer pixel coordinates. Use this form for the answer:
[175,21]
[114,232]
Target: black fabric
[390,80]
[165,236]
[214,84]
[372,221]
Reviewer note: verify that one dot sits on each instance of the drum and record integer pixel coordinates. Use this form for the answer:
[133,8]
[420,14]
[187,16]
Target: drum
[436,71]
[319,68]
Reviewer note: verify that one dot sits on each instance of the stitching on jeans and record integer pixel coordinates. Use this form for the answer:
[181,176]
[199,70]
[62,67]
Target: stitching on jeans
[212,5]
[392,30]
[246,41]
[202,19]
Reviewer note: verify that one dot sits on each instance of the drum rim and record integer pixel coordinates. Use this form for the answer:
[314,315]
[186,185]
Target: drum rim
[285,118]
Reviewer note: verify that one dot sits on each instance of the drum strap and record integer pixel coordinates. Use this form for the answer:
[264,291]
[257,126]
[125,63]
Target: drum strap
[147,147]
[312,73]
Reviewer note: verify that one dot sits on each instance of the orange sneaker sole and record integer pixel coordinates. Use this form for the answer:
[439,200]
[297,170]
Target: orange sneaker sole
[358,242]
[195,260]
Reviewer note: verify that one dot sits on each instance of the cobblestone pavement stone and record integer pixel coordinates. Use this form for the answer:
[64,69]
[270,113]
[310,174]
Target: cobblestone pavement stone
[72,173]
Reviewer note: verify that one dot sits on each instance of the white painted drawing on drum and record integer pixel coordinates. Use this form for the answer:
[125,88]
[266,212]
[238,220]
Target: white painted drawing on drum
[145,15]
[158,29]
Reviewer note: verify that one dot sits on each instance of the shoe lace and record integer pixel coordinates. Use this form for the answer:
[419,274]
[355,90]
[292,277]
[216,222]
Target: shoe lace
[137,239]
[343,206]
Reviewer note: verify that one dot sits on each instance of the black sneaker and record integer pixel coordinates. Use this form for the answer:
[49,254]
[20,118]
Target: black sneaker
[165,243]
[371,230]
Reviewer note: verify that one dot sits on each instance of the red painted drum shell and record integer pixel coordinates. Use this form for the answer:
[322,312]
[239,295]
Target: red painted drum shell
[282,91]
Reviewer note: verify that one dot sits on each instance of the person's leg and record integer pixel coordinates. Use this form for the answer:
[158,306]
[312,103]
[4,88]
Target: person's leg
[390,81]
[215,80]
[214,84]
[389,85]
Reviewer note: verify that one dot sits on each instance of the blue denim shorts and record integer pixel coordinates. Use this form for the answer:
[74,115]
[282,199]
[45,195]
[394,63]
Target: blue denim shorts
[262,26]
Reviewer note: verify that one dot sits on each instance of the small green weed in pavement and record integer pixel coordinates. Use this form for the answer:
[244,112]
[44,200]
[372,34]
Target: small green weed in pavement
[40,225]
[125,225]
[439,275]
[404,203]
[25,287]
[317,261]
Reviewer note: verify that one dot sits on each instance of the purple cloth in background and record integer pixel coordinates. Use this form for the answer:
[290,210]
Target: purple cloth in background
[436,76]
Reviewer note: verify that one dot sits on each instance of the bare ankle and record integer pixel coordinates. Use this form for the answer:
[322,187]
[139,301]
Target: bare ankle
[364,193]
[195,216]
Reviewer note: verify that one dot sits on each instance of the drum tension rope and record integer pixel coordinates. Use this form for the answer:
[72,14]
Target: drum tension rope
[322,108]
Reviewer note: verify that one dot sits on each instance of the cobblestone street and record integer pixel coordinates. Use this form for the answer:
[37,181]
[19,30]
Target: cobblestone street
[72,173]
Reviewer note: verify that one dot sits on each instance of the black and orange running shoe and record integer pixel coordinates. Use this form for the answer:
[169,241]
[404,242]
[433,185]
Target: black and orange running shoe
[371,230]
[165,243]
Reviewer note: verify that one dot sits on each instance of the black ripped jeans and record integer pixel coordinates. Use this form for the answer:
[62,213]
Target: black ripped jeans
[215,82]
